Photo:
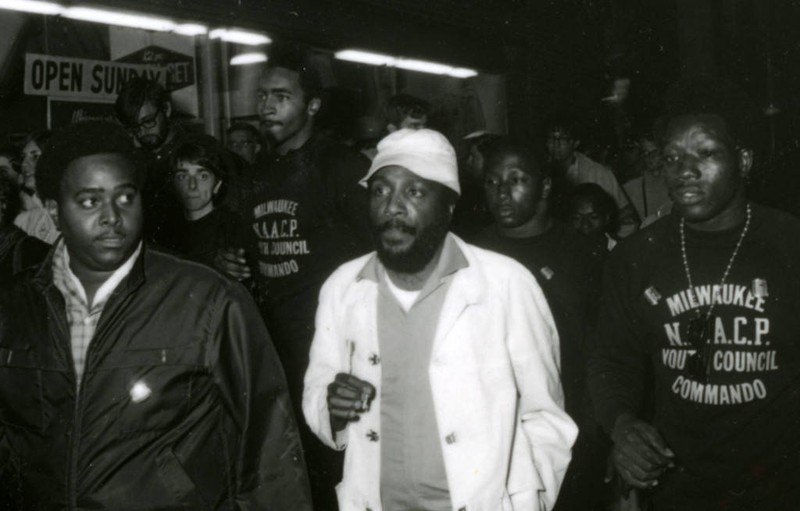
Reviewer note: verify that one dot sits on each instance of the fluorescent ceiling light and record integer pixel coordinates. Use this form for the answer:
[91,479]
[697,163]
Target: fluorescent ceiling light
[462,72]
[119,18]
[422,66]
[239,37]
[248,58]
[32,6]
[364,57]
[190,29]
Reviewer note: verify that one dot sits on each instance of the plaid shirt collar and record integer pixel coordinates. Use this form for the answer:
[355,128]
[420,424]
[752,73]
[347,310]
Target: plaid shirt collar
[72,289]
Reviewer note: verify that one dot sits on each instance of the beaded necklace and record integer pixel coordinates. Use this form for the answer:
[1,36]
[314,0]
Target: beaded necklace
[699,327]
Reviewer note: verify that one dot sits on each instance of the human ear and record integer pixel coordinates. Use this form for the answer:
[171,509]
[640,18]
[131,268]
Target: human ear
[216,188]
[313,106]
[745,161]
[547,187]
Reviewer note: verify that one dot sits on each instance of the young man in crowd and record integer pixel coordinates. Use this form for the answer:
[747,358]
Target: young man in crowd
[471,215]
[702,307]
[435,363]
[404,111]
[575,168]
[593,213]
[244,140]
[144,108]
[302,211]
[517,190]
[648,192]
[131,379]
[200,170]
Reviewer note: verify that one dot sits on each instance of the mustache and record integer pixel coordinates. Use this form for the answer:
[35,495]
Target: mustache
[396,224]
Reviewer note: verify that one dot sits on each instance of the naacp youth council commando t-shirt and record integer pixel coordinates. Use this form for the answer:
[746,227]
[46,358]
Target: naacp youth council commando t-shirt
[305,214]
[742,419]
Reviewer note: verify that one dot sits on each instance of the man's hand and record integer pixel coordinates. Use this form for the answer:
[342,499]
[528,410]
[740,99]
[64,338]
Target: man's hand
[640,454]
[348,398]
[232,262]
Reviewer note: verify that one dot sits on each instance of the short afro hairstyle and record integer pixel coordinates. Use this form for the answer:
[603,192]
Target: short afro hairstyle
[597,196]
[244,126]
[567,121]
[78,140]
[531,157]
[711,95]
[134,94]
[298,59]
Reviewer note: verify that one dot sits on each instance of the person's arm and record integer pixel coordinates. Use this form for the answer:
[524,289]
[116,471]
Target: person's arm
[270,470]
[533,347]
[617,371]
[325,362]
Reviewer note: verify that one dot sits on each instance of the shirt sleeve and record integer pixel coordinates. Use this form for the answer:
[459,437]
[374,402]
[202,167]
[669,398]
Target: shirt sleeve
[270,470]
[324,363]
[618,359]
[533,346]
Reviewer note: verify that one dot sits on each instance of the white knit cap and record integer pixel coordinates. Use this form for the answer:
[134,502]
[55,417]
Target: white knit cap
[426,153]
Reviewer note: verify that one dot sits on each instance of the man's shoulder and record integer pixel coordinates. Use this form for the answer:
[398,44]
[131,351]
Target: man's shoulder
[175,273]
[350,271]
[493,266]
[776,228]
[586,164]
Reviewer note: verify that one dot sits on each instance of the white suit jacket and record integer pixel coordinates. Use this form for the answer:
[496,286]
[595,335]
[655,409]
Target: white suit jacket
[494,373]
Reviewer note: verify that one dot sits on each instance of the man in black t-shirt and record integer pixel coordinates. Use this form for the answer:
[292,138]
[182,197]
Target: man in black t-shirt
[517,191]
[702,307]
[303,213]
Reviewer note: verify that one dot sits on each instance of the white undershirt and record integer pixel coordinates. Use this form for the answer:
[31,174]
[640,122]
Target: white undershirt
[405,298]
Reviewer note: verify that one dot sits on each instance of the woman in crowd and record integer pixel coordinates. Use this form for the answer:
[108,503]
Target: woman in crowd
[17,249]
[34,219]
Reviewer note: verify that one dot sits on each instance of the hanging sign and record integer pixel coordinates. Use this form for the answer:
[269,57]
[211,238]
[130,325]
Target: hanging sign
[47,75]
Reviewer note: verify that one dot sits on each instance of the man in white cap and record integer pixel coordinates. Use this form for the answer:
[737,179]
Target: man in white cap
[435,363]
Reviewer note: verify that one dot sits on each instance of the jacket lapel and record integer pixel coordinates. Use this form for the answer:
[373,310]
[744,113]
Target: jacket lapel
[465,290]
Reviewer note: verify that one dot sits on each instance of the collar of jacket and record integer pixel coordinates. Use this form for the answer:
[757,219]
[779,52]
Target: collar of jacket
[43,278]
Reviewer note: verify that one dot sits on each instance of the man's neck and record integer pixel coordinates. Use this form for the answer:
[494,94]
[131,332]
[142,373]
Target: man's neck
[416,281]
[536,226]
[91,282]
[198,214]
[296,141]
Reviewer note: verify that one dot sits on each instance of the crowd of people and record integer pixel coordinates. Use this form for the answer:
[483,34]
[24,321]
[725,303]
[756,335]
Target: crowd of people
[282,321]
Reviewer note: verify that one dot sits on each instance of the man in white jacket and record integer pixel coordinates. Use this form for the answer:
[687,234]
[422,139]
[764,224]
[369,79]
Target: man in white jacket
[435,363]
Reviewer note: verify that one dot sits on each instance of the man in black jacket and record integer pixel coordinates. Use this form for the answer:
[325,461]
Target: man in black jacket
[130,379]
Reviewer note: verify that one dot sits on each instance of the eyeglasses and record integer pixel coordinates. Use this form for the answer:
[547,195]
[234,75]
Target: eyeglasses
[146,123]
[242,143]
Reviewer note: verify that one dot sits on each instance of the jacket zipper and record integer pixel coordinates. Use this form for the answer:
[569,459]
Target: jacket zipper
[72,455]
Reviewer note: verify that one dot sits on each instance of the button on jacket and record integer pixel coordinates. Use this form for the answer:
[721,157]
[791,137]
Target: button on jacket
[182,405]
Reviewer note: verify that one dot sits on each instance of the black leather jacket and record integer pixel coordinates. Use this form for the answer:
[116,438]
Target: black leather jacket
[215,432]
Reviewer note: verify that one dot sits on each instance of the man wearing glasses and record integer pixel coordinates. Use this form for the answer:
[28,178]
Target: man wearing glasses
[144,108]
[701,308]
[575,168]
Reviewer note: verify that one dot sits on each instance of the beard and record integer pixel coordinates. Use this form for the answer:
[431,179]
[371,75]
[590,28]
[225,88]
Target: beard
[413,259]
